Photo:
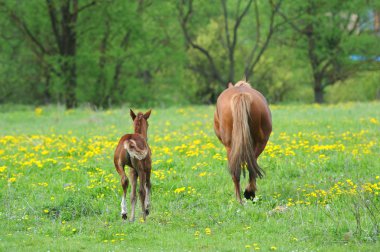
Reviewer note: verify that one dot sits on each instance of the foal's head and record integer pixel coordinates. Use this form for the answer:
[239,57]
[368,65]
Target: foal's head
[140,122]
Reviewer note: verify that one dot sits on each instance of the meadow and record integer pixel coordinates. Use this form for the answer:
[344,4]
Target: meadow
[60,191]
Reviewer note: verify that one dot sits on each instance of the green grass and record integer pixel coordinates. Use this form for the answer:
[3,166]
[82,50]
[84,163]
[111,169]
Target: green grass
[60,191]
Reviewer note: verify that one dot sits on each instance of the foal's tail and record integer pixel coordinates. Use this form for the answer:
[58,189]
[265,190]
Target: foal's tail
[242,146]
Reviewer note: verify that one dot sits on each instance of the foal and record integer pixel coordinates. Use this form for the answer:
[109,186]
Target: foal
[133,151]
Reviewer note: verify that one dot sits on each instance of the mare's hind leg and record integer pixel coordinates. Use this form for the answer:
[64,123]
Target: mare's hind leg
[249,192]
[235,178]
[133,177]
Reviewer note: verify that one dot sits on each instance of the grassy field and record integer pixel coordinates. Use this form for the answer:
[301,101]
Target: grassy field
[60,191]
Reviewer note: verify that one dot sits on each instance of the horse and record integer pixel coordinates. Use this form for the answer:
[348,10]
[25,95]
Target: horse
[133,150]
[243,123]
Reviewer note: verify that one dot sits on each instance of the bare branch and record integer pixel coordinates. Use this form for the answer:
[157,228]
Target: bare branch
[23,27]
[238,21]
[86,6]
[54,23]
[225,14]
[184,18]
[291,23]
[274,11]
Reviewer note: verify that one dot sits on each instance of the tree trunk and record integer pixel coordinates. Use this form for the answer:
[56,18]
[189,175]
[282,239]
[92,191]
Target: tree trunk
[318,95]
[47,79]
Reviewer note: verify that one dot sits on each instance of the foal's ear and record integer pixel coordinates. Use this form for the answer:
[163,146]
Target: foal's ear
[230,85]
[147,114]
[133,115]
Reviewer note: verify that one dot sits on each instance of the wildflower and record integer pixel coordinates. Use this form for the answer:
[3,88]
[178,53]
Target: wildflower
[202,174]
[374,121]
[273,248]
[11,180]
[179,190]
[3,168]
[208,231]
[38,111]
[46,210]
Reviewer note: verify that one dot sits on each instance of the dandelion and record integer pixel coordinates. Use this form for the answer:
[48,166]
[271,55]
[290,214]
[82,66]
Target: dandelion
[374,121]
[179,190]
[273,248]
[3,168]
[46,211]
[38,111]
[208,231]
[202,174]
[12,180]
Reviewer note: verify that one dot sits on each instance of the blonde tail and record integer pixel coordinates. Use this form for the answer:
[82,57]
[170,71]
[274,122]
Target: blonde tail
[242,146]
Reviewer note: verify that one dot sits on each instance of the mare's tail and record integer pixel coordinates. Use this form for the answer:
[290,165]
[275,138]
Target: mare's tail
[242,146]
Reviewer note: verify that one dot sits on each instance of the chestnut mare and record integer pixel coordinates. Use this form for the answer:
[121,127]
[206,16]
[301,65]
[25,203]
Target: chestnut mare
[133,151]
[243,123]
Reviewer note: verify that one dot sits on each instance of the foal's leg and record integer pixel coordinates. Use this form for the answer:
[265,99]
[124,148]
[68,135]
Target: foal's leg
[147,189]
[124,184]
[142,192]
[133,177]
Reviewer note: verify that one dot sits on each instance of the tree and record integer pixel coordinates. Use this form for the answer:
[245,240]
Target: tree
[221,72]
[328,32]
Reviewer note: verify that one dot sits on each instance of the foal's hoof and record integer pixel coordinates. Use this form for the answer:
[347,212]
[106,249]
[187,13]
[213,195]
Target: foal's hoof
[124,216]
[249,195]
[146,212]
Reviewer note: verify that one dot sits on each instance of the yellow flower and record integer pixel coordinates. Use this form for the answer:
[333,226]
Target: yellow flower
[46,210]
[11,180]
[208,231]
[202,174]
[374,121]
[179,190]
[273,248]
[38,111]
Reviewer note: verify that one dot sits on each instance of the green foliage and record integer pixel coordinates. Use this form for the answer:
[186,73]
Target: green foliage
[135,52]
[364,87]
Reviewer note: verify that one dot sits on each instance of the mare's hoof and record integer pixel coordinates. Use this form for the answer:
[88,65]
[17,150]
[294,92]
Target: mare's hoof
[147,212]
[124,216]
[249,195]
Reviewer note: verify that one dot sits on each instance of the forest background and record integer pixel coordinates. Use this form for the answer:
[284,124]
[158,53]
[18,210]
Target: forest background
[105,53]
